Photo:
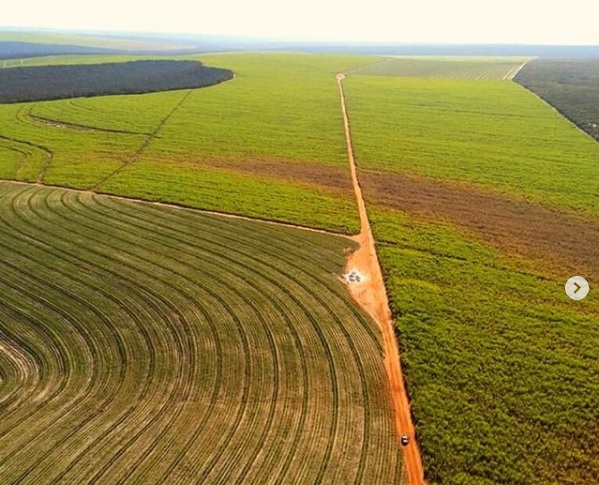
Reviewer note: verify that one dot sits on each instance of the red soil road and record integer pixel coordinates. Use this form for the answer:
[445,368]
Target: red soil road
[371,294]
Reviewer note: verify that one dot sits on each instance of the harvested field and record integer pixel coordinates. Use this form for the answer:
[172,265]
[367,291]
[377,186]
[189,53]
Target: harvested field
[559,241]
[142,344]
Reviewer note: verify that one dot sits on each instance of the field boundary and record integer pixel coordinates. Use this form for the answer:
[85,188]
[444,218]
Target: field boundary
[48,155]
[371,295]
[140,151]
[564,116]
[34,118]
[172,205]
[358,69]
[511,75]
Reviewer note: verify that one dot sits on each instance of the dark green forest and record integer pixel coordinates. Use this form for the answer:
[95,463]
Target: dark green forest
[20,84]
[570,85]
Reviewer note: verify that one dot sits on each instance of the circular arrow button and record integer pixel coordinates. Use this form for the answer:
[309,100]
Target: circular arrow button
[577,288]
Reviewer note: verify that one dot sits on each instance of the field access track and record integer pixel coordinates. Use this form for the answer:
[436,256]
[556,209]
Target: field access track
[372,296]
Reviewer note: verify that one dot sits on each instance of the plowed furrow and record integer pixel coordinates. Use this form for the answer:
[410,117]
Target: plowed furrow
[361,372]
[172,309]
[156,345]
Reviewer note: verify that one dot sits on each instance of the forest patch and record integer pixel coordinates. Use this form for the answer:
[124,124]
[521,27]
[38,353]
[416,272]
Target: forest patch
[21,84]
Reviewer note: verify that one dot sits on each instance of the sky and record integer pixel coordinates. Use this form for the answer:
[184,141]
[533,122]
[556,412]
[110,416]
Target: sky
[417,21]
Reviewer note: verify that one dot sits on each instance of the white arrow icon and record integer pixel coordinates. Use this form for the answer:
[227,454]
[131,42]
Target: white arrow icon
[577,288]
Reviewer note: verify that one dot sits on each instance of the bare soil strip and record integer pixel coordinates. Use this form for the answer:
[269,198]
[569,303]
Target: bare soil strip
[332,177]
[371,294]
[560,242]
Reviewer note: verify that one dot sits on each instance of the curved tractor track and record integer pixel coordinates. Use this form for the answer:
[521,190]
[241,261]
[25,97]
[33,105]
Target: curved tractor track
[144,344]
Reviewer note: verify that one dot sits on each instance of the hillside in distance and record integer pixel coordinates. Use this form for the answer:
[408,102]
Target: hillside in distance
[20,50]
[57,39]
[179,43]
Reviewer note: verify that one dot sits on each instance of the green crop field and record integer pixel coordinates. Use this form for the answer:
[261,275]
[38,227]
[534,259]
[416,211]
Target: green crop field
[446,67]
[502,367]
[268,143]
[493,134]
[55,153]
[144,344]
[484,202]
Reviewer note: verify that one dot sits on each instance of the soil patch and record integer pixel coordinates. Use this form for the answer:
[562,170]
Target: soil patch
[329,176]
[567,242]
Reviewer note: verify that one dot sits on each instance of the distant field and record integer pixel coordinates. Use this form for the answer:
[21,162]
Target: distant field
[484,202]
[571,86]
[143,344]
[68,60]
[19,50]
[87,40]
[266,144]
[446,67]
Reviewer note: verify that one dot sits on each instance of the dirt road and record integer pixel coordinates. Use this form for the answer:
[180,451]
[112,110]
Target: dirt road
[371,294]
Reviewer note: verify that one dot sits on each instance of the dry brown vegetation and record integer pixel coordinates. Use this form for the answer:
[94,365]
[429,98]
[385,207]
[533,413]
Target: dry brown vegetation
[564,241]
[326,176]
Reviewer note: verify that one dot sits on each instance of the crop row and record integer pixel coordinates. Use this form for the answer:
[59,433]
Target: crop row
[160,345]
[498,360]
[63,155]
[478,194]
[444,68]
[492,134]
[224,148]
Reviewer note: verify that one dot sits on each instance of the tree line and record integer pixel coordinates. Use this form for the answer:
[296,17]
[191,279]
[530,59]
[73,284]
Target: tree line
[570,85]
